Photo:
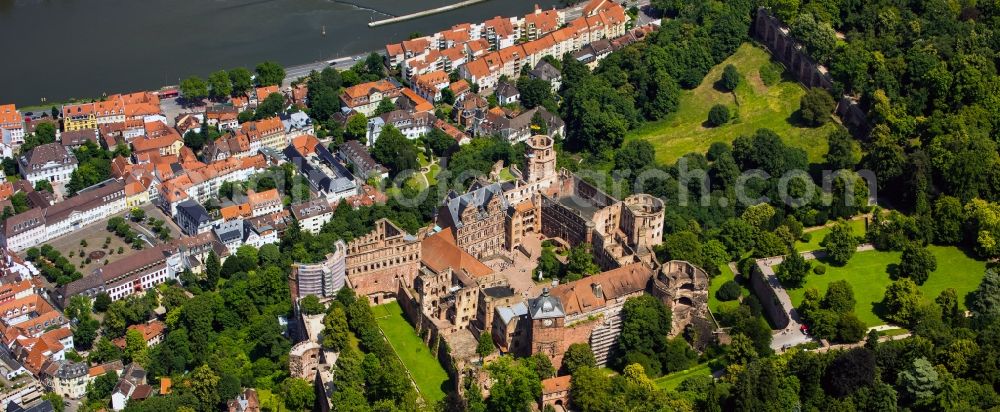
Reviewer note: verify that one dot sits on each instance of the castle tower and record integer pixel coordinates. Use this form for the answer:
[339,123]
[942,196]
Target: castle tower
[547,321]
[541,158]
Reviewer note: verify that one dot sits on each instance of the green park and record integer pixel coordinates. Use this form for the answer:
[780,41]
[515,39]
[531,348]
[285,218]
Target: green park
[421,364]
[754,105]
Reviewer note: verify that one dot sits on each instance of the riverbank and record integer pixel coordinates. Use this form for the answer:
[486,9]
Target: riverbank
[213,36]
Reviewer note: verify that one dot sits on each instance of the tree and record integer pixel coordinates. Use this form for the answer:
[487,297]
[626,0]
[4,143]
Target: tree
[840,243]
[635,156]
[357,127]
[447,96]
[221,84]
[310,305]
[384,106]
[298,394]
[645,326]
[439,142]
[580,262]
[718,115]
[839,297]
[213,270]
[920,382]
[336,334]
[241,79]
[56,400]
[730,78]
[485,346]
[43,185]
[901,301]
[101,302]
[793,270]
[590,390]
[729,291]
[850,329]
[850,371]
[948,218]
[535,92]
[270,73]
[271,106]
[842,152]
[194,88]
[540,364]
[515,386]
[102,386]
[395,151]
[135,347]
[678,355]
[578,355]
[816,106]
[916,263]
[984,302]
[204,385]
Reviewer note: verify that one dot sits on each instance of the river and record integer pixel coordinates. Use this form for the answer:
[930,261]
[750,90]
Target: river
[63,49]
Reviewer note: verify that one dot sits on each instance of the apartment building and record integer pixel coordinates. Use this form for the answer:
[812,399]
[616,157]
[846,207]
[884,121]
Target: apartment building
[364,98]
[49,162]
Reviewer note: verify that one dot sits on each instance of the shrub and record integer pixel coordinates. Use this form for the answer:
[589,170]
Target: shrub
[729,291]
[806,237]
[770,74]
[718,115]
[730,78]
[816,106]
[819,269]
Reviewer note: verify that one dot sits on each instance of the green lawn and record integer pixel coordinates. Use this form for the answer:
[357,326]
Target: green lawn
[673,380]
[754,106]
[867,273]
[714,304]
[423,366]
[270,401]
[858,225]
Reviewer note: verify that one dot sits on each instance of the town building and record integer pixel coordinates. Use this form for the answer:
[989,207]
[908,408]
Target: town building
[201,182]
[326,175]
[246,401]
[296,124]
[49,162]
[547,72]
[429,85]
[411,125]
[222,116]
[133,274]
[67,378]
[364,98]
[11,129]
[356,154]
[507,93]
[114,109]
[321,279]
[73,140]
[193,218]
[518,126]
[45,222]
[268,132]
[131,386]
[152,333]
[312,215]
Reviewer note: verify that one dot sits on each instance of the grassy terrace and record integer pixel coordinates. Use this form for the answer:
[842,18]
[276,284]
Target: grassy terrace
[714,304]
[867,272]
[418,359]
[673,380]
[858,225]
[753,104]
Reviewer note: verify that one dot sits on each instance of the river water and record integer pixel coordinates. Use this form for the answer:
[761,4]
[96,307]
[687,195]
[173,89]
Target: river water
[62,49]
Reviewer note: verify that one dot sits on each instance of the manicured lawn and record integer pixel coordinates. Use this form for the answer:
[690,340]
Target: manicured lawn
[858,225]
[417,357]
[673,380]
[714,304]
[753,105]
[868,274]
